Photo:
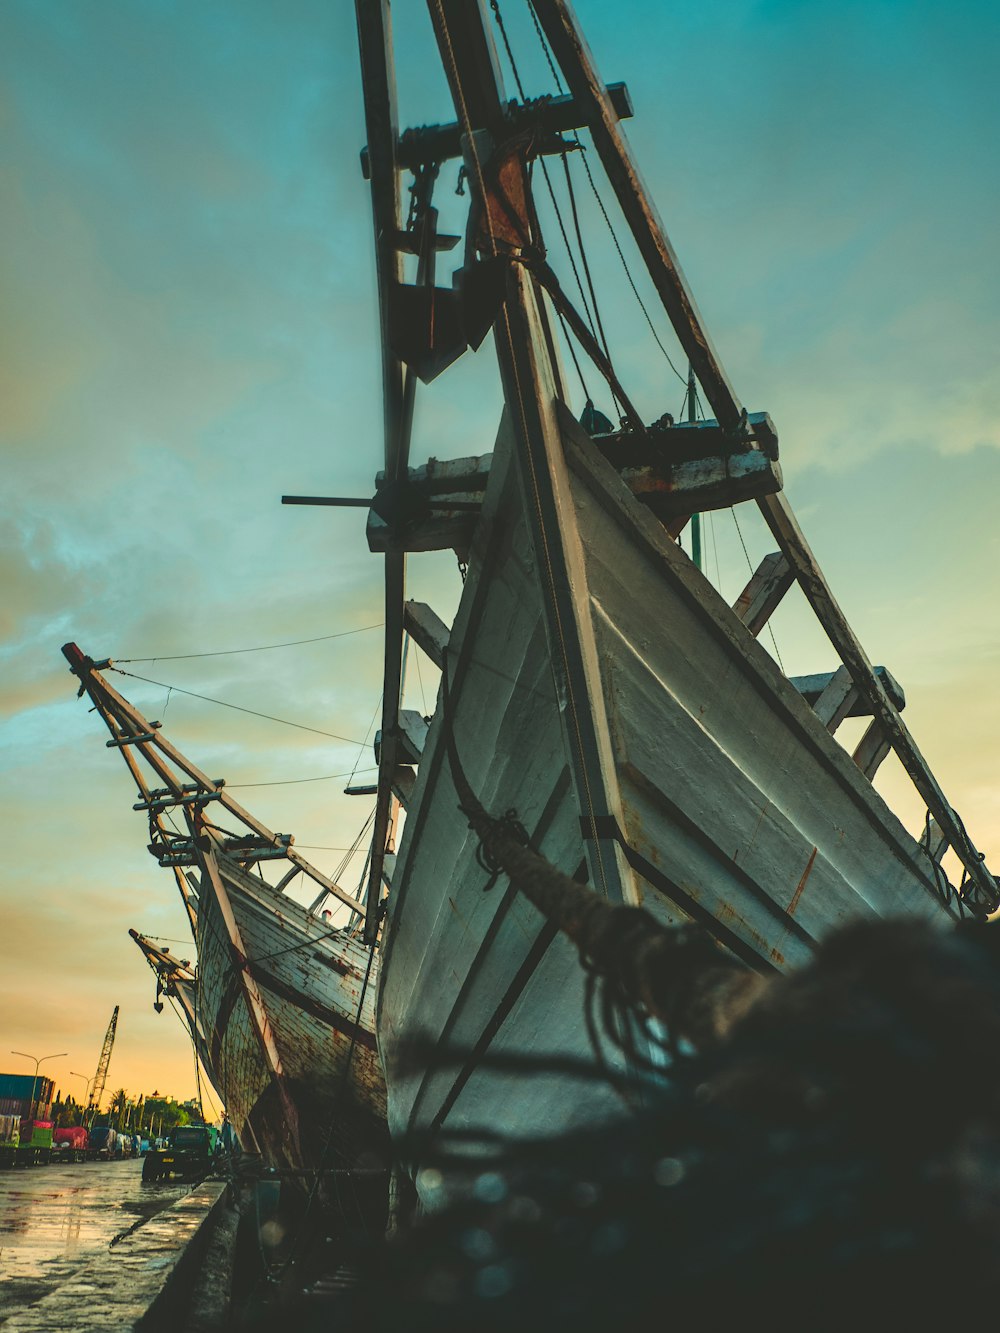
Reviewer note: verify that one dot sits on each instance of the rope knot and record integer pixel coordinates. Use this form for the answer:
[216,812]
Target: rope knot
[490,832]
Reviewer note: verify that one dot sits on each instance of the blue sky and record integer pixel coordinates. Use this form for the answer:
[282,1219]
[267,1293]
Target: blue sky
[189,331]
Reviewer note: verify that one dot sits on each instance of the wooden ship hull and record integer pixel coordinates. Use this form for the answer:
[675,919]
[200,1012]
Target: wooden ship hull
[599,696]
[280,1007]
[178,980]
[318,998]
[734,806]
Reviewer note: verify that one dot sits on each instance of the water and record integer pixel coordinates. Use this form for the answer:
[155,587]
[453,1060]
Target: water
[53,1219]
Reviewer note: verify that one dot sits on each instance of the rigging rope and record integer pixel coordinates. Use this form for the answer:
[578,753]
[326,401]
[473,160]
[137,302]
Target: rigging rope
[293,782]
[299,726]
[600,202]
[590,317]
[261,648]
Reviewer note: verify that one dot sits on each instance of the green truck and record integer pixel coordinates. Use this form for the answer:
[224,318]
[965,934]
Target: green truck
[190,1154]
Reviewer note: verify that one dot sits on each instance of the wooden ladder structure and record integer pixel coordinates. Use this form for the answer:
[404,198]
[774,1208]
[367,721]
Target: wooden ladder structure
[505,285]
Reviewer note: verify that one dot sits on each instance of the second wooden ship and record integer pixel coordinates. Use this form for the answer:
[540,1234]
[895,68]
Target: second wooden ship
[281,1005]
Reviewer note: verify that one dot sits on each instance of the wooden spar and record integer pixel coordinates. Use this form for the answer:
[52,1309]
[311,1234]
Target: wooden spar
[531,389]
[119,716]
[574,57]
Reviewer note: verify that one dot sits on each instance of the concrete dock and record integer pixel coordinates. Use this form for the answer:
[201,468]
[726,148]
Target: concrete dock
[90,1246]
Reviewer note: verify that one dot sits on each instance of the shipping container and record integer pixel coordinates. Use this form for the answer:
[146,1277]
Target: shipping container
[20,1086]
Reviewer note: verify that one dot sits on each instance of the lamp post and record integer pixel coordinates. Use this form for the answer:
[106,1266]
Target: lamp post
[38,1061]
[86,1096]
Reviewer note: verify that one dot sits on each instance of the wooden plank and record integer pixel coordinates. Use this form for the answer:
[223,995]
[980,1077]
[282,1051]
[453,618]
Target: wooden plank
[811,687]
[449,476]
[683,441]
[872,749]
[447,530]
[672,490]
[790,538]
[427,630]
[413,736]
[573,55]
[835,700]
[762,595]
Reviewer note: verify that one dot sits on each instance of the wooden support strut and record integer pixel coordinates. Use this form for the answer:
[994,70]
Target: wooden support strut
[531,390]
[573,55]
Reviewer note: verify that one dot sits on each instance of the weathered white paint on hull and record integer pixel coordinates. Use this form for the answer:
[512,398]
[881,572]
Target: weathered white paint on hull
[311,988]
[739,808]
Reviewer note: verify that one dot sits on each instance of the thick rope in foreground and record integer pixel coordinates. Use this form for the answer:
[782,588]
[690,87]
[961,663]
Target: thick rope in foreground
[678,976]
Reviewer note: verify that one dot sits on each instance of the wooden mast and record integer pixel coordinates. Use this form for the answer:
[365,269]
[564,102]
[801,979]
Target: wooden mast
[398,387]
[573,55]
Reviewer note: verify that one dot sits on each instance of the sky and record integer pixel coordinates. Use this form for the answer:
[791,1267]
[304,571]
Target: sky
[189,331]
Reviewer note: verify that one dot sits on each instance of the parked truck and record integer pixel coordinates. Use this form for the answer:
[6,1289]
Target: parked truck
[103,1142]
[189,1154]
[69,1144]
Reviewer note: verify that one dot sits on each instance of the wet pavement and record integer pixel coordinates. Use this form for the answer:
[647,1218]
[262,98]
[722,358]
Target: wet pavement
[55,1219]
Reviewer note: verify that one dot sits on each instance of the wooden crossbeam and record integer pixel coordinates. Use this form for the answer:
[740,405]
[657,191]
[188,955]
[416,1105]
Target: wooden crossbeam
[675,490]
[430,144]
[447,476]
[872,749]
[444,530]
[836,699]
[762,595]
[812,687]
[427,630]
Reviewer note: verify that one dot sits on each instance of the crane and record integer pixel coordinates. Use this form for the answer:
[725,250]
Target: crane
[101,1077]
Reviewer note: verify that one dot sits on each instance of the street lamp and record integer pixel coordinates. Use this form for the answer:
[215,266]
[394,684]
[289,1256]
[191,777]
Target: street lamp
[88,1081]
[38,1061]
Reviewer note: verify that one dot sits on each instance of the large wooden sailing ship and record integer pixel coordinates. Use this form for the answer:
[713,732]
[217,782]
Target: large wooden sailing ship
[281,1005]
[599,692]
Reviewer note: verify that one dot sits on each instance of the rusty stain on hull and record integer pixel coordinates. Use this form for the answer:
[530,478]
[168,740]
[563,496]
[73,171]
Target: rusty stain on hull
[802,882]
